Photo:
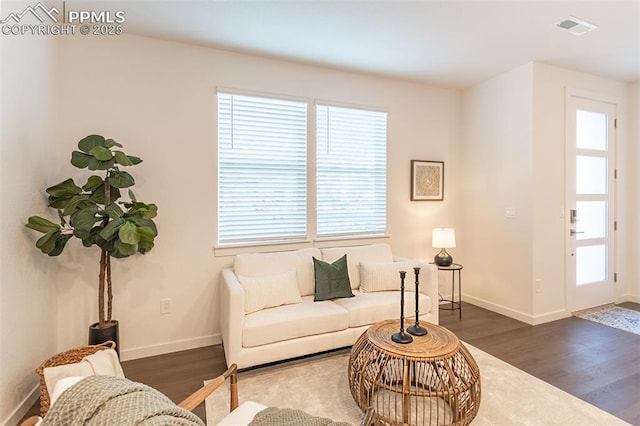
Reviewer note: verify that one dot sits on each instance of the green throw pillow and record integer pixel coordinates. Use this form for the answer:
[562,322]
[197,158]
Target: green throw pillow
[332,279]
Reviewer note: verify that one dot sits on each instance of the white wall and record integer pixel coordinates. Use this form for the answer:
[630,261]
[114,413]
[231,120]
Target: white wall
[497,163]
[514,156]
[28,306]
[550,85]
[158,99]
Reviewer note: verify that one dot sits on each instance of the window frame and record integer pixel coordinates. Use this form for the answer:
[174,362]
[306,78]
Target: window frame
[362,233]
[260,240]
[312,238]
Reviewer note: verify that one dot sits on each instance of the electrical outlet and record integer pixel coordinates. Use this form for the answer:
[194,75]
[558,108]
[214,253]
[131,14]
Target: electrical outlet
[165,306]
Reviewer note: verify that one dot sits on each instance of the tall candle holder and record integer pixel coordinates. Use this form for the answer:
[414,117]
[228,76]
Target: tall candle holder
[417,329]
[402,337]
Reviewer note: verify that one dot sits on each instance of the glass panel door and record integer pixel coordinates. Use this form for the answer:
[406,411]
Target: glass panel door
[590,184]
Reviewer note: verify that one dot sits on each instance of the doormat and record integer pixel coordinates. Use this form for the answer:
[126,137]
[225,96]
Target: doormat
[613,316]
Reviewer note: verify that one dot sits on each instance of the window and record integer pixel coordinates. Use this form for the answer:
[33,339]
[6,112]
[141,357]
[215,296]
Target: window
[262,169]
[351,171]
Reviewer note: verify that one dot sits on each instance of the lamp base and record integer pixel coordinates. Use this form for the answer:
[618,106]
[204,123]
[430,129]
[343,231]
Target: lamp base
[443,258]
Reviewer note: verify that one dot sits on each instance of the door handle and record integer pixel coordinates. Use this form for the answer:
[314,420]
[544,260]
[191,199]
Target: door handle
[574,232]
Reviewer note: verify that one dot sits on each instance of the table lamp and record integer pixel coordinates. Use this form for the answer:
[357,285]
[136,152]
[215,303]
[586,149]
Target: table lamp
[443,238]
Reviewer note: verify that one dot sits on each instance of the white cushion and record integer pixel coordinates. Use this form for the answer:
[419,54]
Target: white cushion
[53,374]
[243,415]
[103,362]
[375,276]
[269,291]
[261,264]
[369,308]
[61,386]
[355,255]
[293,321]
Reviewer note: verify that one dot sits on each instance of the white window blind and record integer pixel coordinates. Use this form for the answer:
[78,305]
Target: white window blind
[351,171]
[262,161]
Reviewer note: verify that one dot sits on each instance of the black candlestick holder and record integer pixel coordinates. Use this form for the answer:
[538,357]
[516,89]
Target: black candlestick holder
[402,337]
[417,329]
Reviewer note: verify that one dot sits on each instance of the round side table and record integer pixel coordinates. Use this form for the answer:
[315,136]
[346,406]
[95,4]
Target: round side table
[454,267]
[432,381]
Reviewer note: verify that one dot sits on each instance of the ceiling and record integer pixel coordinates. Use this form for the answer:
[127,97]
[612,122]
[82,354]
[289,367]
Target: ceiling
[450,43]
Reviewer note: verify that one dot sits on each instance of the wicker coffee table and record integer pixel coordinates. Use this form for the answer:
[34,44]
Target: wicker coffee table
[432,381]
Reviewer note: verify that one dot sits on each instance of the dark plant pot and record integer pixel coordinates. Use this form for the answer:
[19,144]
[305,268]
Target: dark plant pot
[100,335]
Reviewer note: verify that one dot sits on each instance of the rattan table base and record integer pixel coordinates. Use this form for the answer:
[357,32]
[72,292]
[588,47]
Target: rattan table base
[432,381]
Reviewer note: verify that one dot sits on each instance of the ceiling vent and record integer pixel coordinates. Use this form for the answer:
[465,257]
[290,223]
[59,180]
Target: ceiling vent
[576,26]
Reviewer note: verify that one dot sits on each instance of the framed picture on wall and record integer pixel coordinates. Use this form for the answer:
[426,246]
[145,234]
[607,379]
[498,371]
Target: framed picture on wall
[427,180]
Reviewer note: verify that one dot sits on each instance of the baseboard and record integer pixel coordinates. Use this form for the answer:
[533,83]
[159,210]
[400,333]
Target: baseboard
[550,316]
[629,298]
[515,314]
[503,310]
[22,409]
[168,347]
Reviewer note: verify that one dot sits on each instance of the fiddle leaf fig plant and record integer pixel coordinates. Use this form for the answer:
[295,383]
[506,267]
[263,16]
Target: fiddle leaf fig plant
[96,213]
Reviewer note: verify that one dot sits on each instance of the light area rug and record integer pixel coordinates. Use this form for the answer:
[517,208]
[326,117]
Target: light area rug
[613,316]
[320,386]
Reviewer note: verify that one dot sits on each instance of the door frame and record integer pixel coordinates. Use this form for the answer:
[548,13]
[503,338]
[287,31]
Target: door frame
[570,275]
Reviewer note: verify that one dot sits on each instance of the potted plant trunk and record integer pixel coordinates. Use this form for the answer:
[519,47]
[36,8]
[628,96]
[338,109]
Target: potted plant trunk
[96,214]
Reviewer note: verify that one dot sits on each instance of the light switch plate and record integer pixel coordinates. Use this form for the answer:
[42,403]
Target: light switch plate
[510,212]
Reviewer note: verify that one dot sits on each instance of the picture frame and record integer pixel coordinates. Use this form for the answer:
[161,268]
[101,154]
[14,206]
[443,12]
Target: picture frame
[427,180]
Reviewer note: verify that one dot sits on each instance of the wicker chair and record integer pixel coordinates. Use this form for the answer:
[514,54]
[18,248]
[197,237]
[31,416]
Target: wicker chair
[191,402]
[68,357]
[76,355]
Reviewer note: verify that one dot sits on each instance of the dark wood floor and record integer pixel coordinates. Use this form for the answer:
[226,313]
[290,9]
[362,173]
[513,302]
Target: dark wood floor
[596,363]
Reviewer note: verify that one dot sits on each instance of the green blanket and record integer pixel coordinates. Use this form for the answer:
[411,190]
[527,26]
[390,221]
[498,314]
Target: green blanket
[288,417]
[106,400]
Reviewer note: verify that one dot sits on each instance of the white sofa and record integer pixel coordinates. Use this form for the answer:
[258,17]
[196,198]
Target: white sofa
[303,326]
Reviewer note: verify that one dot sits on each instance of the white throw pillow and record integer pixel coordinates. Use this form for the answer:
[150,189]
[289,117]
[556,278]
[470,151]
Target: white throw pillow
[61,386]
[270,291]
[104,362]
[376,276]
[54,374]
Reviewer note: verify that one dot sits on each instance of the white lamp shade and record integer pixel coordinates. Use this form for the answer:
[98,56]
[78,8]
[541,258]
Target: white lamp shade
[443,238]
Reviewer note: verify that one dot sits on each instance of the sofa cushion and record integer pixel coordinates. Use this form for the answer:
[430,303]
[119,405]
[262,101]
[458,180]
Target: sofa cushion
[293,321]
[369,308]
[261,264]
[356,254]
[269,291]
[376,276]
[332,279]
